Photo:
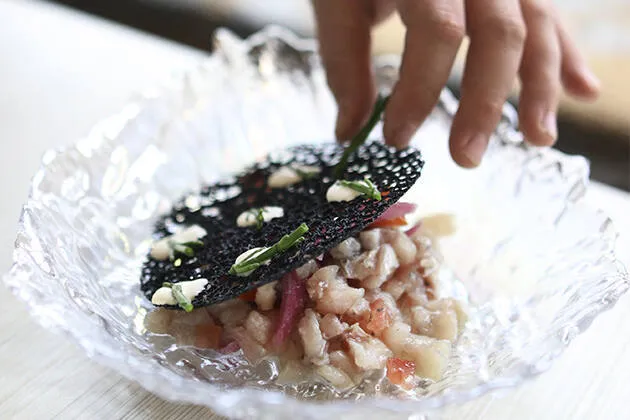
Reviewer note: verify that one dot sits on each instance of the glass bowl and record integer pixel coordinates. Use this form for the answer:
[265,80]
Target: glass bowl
[537,264]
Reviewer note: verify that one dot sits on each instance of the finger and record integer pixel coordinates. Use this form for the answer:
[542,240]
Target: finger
[577,79]
[540,74]
[382,9]
[344,35]
[435,29]
[497,35]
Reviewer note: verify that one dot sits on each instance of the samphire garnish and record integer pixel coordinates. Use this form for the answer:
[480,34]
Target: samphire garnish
[254,261]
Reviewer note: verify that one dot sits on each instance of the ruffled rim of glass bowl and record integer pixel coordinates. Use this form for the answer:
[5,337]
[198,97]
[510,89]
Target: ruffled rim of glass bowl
[231,401]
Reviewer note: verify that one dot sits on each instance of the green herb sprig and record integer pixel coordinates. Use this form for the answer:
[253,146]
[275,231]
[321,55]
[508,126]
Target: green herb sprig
[258,213]
[260,218]
[365,187]
[362,135]
[178,294]
[257,259]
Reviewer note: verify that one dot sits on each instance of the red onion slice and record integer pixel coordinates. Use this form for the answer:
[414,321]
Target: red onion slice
[291,307]
[413,229]
[230,347]
[399,209]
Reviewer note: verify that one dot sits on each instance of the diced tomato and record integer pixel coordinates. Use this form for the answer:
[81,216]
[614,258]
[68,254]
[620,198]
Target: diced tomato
[208,336]
[400,371]
[249,296]
[396,221]
[380,318]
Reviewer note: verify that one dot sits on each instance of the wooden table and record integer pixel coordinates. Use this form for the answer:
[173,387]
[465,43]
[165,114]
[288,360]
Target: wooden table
[61,72]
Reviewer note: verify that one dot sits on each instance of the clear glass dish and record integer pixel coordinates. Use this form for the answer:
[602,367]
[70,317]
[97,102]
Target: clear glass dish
[538,265]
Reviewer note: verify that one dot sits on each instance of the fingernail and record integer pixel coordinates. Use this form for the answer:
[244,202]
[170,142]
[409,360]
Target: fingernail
[549,125]
[591,80]
[400,136]
[475,148]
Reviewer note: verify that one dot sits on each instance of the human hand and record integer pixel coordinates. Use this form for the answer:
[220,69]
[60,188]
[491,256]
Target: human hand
[507,38]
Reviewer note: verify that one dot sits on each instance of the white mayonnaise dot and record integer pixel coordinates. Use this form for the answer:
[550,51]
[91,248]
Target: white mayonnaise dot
[289,175]
[283,177]
[250,217]
[306,169]
[190,289]
[161,250]
[189,234]
[338,192]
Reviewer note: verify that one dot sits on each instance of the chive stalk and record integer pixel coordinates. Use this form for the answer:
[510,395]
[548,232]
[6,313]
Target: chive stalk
[254,261]
[178,295]
[260,218]
[362,135]
[365,187]
[183,248]
[182,300]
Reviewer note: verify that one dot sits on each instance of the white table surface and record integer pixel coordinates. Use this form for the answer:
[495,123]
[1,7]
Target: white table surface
[60,72]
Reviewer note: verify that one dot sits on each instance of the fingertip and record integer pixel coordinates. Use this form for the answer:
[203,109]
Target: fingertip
[590,80]
[468,150]
[577,78]
[538,122]
[400,122]
[344,128]
[397,132]
[582,85]
[547,128]
[351,116]
[463,160]
[399,136]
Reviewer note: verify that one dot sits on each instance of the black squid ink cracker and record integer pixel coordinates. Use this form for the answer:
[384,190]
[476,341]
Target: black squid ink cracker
[217,207]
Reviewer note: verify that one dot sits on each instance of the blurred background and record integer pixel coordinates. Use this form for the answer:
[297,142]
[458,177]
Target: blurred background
[600,131]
